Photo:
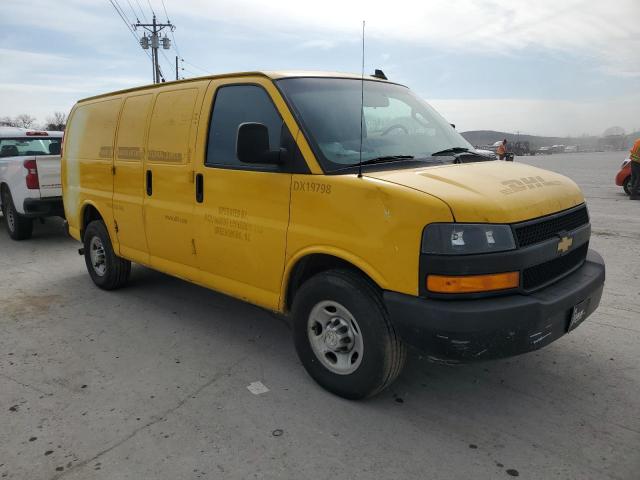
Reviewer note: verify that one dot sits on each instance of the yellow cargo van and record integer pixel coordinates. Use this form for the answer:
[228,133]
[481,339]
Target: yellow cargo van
[348,205]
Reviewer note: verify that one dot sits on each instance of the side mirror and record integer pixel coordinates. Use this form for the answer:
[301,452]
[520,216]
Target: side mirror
[252,144]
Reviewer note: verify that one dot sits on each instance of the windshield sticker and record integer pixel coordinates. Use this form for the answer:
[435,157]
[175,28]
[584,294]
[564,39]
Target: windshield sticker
[526,183]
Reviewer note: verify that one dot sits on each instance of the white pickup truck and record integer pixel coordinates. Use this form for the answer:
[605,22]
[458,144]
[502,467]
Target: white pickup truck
[30,184]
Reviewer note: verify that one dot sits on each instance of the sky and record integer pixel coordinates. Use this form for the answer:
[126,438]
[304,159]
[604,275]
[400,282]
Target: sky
[543,67]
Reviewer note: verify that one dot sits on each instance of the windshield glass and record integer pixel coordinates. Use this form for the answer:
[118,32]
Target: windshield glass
[27,147]
[396,121]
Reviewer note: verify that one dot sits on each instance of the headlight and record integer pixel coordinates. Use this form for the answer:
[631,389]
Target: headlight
[466,238]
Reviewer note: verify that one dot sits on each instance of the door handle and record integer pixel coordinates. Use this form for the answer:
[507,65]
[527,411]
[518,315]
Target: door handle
[149,182]
[199,188]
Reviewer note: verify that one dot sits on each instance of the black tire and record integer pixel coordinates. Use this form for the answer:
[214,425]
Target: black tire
[383,353]
[107,270]
[18,226]
[626,185]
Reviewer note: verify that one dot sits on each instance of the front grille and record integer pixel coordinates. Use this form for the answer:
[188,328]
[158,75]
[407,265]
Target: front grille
[544,273]
[544,229]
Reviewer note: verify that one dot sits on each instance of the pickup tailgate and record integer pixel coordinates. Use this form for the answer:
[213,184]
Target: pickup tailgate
[49,175]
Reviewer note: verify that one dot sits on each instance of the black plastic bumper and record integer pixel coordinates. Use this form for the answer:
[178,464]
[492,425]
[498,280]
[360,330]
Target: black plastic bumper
[43,207]
[465,330]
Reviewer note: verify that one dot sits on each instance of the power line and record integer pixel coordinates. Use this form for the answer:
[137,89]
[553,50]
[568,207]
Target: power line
[153,41]
[165,10]
[189,71]
[135,15]
[125,20]
[169,62]
[121,14]
[144,17]
[173,37]
[196,66]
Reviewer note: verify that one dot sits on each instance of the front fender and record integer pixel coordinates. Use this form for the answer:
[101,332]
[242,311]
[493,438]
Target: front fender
[338,253]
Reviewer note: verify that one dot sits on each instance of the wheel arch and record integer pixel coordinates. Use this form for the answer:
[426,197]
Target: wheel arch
[310,262]
[88,214]
[4,187]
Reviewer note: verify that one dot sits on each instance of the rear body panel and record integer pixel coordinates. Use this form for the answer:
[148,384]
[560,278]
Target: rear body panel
[49,175]
[12,178]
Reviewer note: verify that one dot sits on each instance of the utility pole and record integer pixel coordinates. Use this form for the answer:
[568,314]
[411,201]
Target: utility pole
[153,41]
[177,78]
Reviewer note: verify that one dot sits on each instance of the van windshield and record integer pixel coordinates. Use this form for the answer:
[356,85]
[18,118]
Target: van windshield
[397,123]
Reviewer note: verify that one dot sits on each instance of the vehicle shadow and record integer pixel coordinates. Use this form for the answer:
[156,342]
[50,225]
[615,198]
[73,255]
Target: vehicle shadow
[47,228]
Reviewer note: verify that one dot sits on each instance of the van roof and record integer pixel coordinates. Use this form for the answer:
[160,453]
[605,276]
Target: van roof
[274,75]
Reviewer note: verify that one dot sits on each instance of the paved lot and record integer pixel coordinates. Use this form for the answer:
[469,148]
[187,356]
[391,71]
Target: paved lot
[149,382]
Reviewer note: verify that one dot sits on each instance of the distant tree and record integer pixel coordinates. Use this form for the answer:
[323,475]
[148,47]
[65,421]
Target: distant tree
[7,122]
[57,122]
[24,120]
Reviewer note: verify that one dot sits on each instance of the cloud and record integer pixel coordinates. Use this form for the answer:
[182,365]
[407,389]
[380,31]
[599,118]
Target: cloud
[320,44]
[56,92]
[81,47]
[541,117]
[605,33]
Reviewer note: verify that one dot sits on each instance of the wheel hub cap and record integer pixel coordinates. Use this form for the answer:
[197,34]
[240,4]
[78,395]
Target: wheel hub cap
[11,221]
[97,256]
[335,337]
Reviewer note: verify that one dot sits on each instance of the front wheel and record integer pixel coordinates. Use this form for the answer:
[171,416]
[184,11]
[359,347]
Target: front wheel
[343,335]
[107,270]
[18,226]
[626,185]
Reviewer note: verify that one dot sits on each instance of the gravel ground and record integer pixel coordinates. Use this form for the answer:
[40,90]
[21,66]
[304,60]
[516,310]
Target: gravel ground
[150,382]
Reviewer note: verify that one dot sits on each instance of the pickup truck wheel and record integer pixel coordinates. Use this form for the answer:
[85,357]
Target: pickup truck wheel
[107,270]
[627,186]
[18,226]
[343,335]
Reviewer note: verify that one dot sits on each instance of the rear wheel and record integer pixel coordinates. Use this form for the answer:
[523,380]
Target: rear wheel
[626,185]
[107,270]
[18,226]
[343,335]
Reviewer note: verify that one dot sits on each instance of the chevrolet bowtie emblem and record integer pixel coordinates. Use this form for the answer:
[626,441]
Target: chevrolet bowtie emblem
[565,244]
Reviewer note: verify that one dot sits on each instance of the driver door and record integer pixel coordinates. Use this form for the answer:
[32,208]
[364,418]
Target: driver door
[243,208]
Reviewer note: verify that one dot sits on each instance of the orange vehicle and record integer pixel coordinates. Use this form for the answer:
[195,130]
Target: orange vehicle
[623,177]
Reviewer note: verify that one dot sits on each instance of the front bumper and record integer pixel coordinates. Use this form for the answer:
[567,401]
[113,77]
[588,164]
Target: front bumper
[465,330]
[43,207]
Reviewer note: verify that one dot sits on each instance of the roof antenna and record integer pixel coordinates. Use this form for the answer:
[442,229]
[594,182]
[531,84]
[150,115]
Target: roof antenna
[361,105]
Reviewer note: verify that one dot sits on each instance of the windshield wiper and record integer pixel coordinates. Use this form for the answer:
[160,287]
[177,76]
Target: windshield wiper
[450,151]
[384,159]
[371,161]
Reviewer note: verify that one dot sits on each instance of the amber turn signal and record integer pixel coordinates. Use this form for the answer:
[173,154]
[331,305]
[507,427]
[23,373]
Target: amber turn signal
[472,283]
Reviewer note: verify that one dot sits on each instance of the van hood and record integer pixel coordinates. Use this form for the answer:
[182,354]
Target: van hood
[495,192]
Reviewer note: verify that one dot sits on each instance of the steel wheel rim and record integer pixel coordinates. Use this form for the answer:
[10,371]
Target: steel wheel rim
[11,221]
[335,337]
[97,256]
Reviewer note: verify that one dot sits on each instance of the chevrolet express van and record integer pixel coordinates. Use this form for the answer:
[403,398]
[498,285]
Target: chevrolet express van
[348,205]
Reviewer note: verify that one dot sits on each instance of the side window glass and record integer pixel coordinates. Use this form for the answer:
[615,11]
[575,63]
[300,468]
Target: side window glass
[234,105]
